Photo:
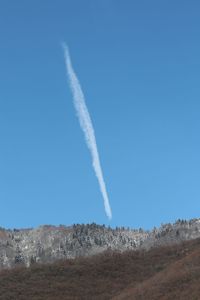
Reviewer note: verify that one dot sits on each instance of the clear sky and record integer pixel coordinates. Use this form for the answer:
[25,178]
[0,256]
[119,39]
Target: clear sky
[139,66]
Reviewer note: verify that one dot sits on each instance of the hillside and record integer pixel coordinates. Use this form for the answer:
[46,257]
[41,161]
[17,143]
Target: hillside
[47,244]
[161,273]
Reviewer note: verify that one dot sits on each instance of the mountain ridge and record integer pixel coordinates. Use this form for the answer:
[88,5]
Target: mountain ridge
[48,243]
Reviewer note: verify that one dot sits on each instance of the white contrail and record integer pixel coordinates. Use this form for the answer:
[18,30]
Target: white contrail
[87,127]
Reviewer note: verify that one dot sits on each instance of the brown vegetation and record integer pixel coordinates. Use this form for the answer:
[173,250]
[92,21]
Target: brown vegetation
[163,273]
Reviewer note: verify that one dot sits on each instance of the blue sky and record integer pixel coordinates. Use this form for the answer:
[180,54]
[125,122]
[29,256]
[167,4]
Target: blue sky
[139,66]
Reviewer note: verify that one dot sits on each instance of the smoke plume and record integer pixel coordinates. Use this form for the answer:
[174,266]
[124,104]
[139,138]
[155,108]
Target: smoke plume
[87,127]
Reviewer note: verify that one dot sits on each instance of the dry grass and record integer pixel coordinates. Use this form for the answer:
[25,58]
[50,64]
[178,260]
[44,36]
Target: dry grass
[162,273]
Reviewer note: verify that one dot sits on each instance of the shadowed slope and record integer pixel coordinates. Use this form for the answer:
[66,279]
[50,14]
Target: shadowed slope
[180,280]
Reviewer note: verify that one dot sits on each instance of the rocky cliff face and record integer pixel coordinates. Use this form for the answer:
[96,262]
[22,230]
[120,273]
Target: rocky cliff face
[50,243]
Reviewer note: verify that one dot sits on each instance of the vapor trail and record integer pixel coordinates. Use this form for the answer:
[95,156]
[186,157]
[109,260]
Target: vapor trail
[87,127]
